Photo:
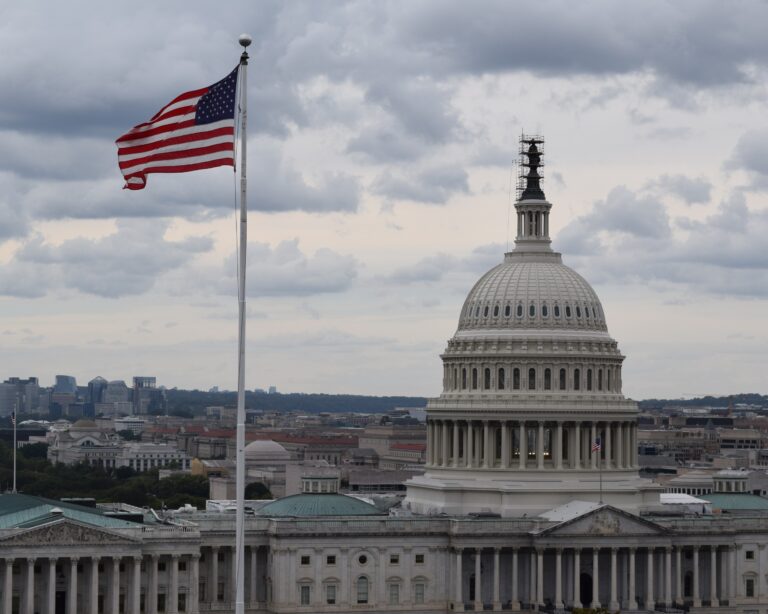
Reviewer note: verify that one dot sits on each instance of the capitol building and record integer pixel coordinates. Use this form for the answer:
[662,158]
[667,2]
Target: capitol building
[531,499]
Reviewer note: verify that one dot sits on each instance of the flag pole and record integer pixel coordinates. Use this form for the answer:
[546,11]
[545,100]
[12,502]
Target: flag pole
[244,40]
[14,419]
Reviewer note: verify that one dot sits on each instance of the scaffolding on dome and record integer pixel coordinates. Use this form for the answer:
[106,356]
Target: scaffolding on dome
[528,168]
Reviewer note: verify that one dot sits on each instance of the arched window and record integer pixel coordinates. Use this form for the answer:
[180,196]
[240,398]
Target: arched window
[487,379]
[532,310]
[547,379]
[455,378]
[485,312]
[544,311]
[362,589]
[567,311]
[477,311]
[519,311]
[586,311]
[516,378]
[557,311]
[576,379]
[464,379]
[501,382]
[507,311]
[608,373]
[599,379]
[562,379]
[589,379]
[578,311]
[531,379]
[474,379]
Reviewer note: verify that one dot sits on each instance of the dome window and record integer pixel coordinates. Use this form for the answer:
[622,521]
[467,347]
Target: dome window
[562,379]
[519,311]
[487,379]
[500,379]
[508,311]
[586,311]
[474,379]
[576,379]
[557,311]
[477,311]
[578,311]
[547,379]
[516,379]
[567,311]
[485,312]
[532,310]
[531,379]
[544,311]
[496,311]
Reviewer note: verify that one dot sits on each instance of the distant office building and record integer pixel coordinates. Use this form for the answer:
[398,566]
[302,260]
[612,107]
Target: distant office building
[65,384]
[135,425]
[147,397]
[96,388]
[272,390]
[116,391]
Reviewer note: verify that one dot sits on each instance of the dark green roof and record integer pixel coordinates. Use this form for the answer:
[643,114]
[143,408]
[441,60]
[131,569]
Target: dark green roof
[735,501]
[24,511]
[322,504]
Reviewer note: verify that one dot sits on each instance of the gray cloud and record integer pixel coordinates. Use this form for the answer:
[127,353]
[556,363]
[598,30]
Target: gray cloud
[690,190]
[125,263]
[435,185]
[751,155]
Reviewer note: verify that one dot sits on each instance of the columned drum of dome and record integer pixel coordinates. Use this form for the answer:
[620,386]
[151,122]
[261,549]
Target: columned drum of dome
[531,380]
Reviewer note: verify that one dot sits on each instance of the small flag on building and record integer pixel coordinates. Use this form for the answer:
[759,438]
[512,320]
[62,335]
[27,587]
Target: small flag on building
[13,418]
[196,130]
[596,445]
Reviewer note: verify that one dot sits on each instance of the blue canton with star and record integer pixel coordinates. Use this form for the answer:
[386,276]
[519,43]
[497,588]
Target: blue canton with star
[219,102]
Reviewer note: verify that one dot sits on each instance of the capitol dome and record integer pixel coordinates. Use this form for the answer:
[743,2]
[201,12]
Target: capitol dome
[265,450]
[531,414]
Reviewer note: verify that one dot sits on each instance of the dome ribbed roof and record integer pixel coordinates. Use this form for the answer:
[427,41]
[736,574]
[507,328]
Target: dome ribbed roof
[311,505]
[263,449]
[532,292]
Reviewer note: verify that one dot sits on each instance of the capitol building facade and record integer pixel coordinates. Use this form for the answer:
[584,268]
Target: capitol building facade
[531,499]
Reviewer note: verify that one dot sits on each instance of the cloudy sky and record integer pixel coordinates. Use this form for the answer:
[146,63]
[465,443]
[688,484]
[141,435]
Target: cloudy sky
[382,139]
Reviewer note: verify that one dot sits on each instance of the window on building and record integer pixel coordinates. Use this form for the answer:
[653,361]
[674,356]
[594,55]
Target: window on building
[394,593]
[507,311]
[749,555]
[362,559]
[182,566]
[749,587]
[330,559]
[487,379]
[474,379]
[599,379]
[305,559]
[557,311]
[496,311]
[562,379]
[362,589]
[567,311]
[220,591]
[419,559]
[547,379]
[160,602]
[519,311]
[485,312]
[544,311]
[532,310]
[576,379]
[608,382]
[394,559]
[589,379]
[500,379]
[516,378]
[182,602]
[531,379]
[464,379]
[304,594]
[418,592]
[330,594]
[160,567]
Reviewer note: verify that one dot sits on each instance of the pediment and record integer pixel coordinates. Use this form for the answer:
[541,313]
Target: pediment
[65,533]
[605,521]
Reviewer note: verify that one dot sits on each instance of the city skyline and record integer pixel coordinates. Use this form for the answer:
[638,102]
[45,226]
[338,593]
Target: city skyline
[382,139]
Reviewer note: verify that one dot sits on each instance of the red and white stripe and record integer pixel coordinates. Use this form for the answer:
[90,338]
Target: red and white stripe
[171,142]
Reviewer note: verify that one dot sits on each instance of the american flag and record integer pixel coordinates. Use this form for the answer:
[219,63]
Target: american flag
[195,130]
[596,445]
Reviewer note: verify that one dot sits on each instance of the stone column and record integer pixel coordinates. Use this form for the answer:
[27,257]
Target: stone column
[444,456]
[678,575]
[51,600]
[559,579]
[713,577]
[29,588]
[465,437]
[632,576]
[696,592]
[114,590]
[150,598]
[539,578]
[649,603]
[254,576]
[478,583]
[734,591]
[593,455]
[523,434]
[455,455]
[193,605]
[8,587]
[496,598]
[72,590]
[608,444]
[93,593]
[559,446]
[724,576]
[514,581]
[540,446]
[532,579]
[595,578]
[668,577]
[172,601]
[458,597]
[504,445]
[576,464]
[470,453]
[577,577]
[213,580]
[486,445]
[136,585]
[614,602]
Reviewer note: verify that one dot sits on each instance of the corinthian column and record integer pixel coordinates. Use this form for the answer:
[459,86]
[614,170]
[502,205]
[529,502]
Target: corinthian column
[51,585]
[72,591]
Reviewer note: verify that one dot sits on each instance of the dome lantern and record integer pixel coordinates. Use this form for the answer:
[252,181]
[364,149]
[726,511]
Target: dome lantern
[532,206]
